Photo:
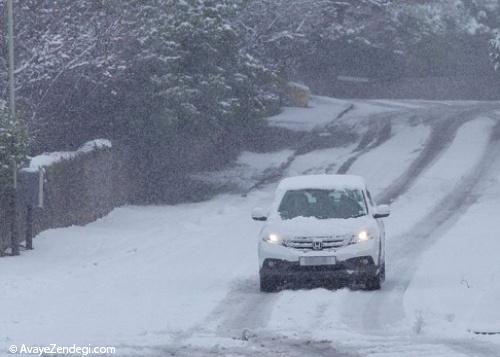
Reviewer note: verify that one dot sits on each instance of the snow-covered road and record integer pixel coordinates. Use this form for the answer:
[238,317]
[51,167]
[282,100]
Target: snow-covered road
[165,280]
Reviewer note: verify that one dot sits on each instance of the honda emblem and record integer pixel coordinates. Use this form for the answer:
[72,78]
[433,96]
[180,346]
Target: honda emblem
[317,245]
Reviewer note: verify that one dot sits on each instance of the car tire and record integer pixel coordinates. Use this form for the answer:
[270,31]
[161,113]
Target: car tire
[268,285]
[375,282]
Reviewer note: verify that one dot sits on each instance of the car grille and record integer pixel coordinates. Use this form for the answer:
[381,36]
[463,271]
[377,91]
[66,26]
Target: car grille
[327,242]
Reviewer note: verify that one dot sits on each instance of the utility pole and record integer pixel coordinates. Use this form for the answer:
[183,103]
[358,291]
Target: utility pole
[12,88]
[12,106]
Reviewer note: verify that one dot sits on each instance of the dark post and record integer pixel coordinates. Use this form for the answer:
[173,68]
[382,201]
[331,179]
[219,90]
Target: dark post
[29,227]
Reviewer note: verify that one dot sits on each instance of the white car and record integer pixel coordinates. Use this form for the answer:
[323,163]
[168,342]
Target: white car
[322,228]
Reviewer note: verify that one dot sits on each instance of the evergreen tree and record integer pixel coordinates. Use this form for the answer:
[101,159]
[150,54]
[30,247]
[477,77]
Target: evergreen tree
[105,68]
[199,72]
[13,146]
[309,37]
[495,51]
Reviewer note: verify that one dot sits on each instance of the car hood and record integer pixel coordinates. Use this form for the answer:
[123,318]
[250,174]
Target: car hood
[314,227]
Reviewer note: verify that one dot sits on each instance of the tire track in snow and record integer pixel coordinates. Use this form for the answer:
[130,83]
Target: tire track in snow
[338,134]
[444,129]
[445,123]
[246,308]
[443,132]
[234,321]
[376,135]
[307,144]
[385,308]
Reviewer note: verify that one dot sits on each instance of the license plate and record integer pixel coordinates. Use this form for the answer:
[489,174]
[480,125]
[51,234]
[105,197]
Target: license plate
[309,261]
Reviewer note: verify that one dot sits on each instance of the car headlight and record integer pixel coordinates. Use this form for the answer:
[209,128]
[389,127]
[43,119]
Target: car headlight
[361,236]
[273,238]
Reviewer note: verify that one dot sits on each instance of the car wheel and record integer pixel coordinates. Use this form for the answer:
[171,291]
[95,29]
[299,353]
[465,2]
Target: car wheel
[375,282]
[268,285]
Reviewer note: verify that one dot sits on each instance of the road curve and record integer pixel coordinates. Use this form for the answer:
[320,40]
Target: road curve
[242,316]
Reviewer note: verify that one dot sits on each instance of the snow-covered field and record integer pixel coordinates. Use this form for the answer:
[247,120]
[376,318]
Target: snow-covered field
[182,279]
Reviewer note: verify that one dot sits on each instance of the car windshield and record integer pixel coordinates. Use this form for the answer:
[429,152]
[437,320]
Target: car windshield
[323,203]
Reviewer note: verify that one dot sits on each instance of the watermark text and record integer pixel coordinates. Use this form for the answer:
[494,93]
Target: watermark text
[55,349]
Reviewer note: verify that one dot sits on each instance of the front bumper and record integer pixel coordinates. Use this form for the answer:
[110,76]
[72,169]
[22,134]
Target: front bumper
[370,248]
[356,262]
[350,270]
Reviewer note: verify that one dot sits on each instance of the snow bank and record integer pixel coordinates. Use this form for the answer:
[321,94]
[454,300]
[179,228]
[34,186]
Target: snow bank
[51,158]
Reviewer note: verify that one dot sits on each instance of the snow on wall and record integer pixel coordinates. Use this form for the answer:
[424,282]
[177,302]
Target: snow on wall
[79,186]
[51,158]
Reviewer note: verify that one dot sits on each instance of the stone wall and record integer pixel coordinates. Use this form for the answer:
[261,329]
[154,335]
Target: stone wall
[79,187]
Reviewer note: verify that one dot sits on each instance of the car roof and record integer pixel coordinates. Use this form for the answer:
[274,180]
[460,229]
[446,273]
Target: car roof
[322,182]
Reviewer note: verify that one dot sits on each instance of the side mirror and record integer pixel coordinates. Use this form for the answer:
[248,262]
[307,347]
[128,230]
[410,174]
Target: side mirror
[382,211]
[258,214]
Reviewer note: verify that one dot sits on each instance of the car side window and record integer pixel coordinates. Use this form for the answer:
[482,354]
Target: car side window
[370,198]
